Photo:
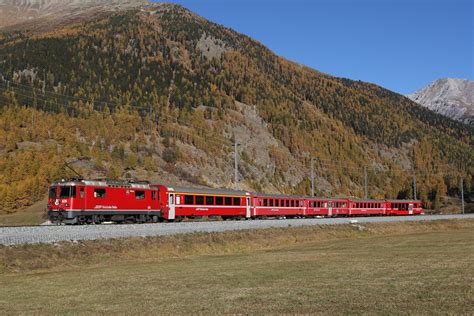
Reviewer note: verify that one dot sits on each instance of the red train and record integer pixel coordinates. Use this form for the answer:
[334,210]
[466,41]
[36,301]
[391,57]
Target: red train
[79,201]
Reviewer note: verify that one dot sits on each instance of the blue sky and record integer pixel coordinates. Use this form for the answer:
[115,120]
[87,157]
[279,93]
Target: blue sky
[399,44]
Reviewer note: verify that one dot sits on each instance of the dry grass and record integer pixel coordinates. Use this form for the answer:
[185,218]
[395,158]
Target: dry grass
[32,215]
[420,267]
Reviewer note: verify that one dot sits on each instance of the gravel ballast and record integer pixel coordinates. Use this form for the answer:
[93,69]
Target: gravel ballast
[52,234]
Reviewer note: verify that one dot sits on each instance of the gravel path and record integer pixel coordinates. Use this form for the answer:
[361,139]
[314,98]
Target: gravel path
[51,234]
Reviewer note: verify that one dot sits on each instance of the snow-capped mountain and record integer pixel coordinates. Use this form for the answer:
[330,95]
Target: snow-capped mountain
[450,97]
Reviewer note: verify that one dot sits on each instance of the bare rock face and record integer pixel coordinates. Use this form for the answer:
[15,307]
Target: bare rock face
[450,97]
[47,14]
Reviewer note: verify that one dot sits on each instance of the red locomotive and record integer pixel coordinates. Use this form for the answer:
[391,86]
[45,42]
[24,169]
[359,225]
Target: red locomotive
[79,201]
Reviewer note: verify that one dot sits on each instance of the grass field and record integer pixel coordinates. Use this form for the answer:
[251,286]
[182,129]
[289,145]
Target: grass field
[375,268]
[32,215]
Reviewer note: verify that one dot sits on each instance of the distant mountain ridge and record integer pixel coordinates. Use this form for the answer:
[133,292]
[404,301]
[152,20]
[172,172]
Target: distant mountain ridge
[450,97]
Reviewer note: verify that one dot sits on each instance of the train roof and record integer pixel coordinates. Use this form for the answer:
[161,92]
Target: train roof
[279,196]
[105,183]
[179,189]
[366,200]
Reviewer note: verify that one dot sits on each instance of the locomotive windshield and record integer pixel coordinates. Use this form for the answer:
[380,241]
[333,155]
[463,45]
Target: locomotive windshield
[52,192]
[67,192]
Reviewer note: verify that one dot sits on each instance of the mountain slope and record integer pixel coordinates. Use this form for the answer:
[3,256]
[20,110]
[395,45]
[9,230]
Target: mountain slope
[40,15]
[453,98]
[158,92]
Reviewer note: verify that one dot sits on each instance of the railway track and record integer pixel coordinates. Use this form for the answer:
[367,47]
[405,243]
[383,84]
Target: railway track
[17,235]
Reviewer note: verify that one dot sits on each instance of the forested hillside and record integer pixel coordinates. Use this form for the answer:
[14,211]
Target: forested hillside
[161,93]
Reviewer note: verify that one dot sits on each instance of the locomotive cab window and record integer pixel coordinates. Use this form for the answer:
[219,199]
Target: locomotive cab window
[52,192]
[99,193]
[67,192]
[139,195]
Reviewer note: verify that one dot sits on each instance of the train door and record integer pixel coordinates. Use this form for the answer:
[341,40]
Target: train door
[330,209]
[81,199]
[171,206]
[254,206]
[410,209]
[247,199]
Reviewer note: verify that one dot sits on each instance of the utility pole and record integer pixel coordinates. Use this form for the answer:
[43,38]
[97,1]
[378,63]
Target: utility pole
[312,177]
[236,165]
[365,183]
[462,195]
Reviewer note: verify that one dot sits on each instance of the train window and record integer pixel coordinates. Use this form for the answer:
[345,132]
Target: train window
[99,193]
[188,199]
[228,200]
[140,195]
[81,193]
[237,201]
[292,203]
[66,192]
[277,202]
[265,202]
[209,200]
[52,192]
[271,202]
[199,199]
[219,200]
